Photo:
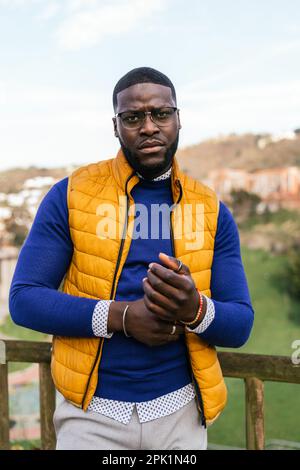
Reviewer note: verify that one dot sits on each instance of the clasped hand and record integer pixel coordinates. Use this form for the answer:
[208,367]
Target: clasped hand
[170,295]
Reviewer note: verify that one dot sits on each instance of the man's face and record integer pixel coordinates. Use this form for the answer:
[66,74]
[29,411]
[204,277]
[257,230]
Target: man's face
[149,149]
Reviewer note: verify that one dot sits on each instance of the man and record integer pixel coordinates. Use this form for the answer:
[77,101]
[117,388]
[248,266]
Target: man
[135,327]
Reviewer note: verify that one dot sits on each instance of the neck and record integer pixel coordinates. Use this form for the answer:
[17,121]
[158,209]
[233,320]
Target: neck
[163,176]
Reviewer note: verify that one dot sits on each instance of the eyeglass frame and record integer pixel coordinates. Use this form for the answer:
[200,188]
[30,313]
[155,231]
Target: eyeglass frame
[146,113]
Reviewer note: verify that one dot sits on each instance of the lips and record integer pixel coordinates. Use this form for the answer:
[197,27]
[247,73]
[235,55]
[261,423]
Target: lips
[151,146]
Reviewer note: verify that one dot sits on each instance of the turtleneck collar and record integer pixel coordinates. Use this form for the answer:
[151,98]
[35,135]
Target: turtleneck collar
[162,177]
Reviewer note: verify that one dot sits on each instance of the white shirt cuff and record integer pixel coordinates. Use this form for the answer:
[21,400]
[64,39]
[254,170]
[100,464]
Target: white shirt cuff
[100,318]
[208,317]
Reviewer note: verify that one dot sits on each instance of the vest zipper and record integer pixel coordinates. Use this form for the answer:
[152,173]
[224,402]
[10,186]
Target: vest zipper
[196,386]
[122,241]
[101,342]
[198,395]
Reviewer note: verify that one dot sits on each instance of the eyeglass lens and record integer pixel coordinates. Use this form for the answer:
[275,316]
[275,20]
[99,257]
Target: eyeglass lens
[135,119]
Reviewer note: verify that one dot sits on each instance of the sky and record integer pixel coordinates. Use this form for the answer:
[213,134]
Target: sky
[235,66]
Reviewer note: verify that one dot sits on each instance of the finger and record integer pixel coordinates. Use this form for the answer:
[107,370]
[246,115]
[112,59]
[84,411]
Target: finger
[161,286]
[167,339]
[167,328]
[178,332]
[157,298]
[173,338]
[173,263]
[168,261]
[170,277]
[180,329]
[161,312]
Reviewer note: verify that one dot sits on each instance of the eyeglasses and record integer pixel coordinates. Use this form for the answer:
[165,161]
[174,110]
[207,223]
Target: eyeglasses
[135,119]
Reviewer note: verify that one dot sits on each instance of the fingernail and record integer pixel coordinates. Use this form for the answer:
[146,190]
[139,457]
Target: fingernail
[150,266]
[144,279]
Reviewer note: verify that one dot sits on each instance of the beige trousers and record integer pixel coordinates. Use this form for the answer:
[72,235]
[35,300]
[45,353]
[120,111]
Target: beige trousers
[79,430]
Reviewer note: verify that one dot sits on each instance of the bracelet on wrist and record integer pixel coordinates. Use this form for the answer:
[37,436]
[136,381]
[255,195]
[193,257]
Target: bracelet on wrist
[124,316]
[199,312]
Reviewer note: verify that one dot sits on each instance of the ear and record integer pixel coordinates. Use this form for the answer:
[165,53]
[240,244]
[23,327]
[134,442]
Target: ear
[115,127]
[180,126]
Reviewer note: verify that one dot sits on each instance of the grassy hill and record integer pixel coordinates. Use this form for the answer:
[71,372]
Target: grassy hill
[276,326]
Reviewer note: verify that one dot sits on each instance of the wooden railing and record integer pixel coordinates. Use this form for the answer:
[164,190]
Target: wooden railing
[253,368]
[34,352]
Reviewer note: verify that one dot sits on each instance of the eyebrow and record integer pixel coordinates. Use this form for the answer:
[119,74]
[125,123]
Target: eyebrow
[151,107]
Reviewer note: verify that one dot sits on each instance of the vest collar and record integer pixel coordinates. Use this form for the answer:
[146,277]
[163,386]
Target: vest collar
[125,175]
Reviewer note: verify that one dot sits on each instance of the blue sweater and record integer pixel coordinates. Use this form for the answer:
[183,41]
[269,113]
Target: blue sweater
[44,259]
[129,369]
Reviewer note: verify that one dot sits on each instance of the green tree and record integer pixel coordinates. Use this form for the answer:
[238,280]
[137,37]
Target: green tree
[243,204]
[293,271]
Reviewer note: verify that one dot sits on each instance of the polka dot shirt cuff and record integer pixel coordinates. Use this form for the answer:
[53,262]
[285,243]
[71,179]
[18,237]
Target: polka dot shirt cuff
[100,317]
[208,318]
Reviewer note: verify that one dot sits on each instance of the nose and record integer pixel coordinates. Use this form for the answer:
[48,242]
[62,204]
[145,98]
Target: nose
[149,127]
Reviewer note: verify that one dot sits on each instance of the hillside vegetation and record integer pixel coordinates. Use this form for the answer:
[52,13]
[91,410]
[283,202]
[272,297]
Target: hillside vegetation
[276,326]
[233,151]
[239,151]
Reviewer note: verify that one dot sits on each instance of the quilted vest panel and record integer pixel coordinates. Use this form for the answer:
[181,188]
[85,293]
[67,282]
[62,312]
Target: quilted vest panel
[97,206]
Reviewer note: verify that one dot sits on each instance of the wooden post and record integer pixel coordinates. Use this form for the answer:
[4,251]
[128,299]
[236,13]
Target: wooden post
[255,433]
[47,407]
[4,404]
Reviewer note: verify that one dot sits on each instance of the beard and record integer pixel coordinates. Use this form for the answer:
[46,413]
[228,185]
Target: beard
[157,170]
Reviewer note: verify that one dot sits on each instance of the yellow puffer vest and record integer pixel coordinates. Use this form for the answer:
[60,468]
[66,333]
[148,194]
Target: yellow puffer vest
[98,260]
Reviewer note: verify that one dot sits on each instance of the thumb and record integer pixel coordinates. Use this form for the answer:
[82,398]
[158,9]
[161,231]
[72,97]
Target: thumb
[171,263]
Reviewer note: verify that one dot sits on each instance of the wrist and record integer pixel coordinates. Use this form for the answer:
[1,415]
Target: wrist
[115,316]
[193,314]
[197,316]
[203,312]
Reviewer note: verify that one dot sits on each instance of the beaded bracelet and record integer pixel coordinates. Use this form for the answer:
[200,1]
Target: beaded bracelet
[198,315]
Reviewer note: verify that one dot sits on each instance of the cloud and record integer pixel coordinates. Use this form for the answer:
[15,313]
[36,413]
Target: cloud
[49,11]
[74,5]
[49,98]
[54,126]
[90,23]
[265,107]
[252,63]
[285,47]
[19,3]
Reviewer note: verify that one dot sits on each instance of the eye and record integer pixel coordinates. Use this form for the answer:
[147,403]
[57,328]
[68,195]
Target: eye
[164,113]
[130,118]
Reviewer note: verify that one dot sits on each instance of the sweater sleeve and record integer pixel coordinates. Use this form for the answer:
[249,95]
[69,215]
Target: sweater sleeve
[34,299]
[233,310]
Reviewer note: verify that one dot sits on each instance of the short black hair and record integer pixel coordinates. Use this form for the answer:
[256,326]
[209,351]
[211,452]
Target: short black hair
[142,75]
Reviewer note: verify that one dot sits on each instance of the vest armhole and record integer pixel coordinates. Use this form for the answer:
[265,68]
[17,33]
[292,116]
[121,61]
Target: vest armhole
[68,196]
[218,209]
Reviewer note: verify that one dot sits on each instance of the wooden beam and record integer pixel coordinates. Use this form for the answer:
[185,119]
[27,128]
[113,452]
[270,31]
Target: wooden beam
[239,365]
[255,431]
[4,410]
[28,351]
[47,407]
[264,367]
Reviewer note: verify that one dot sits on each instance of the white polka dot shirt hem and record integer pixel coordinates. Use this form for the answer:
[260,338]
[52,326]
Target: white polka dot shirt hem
[147,411]
[208,318]
[100,318]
